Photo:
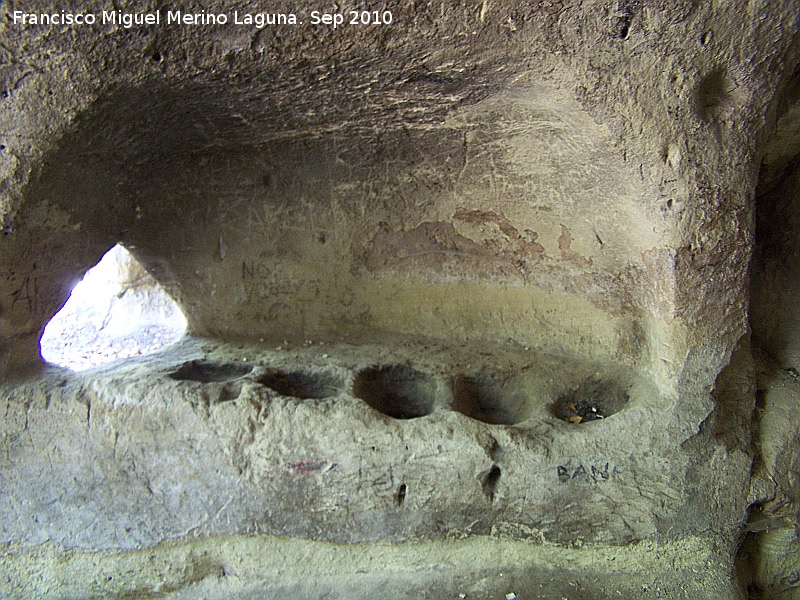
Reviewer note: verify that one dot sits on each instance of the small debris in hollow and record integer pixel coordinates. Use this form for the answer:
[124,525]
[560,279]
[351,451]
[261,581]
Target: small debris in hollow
[591,401]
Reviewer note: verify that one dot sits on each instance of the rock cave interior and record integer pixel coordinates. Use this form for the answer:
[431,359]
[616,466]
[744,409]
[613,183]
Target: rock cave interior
[481,299]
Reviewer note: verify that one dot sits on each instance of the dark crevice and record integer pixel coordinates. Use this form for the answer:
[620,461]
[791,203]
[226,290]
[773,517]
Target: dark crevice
[400,496]
[489,482]
[774,323]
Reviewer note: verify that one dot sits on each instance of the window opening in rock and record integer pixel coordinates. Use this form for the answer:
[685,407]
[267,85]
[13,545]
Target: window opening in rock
[116,311]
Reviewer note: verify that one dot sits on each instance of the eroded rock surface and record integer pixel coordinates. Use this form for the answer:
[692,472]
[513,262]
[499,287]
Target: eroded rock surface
[502,249]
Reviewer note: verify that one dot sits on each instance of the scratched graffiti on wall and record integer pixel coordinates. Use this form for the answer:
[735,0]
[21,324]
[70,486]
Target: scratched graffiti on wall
[275,292]
[586,472]
[27,294]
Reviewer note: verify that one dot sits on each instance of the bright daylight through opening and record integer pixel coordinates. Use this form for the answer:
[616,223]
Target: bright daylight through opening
[116,311]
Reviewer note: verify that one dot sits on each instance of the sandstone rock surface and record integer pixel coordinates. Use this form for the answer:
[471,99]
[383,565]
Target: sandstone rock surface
[479,277]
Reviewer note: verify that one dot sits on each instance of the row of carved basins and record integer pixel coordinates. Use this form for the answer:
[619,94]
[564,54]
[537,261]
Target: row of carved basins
[402,392]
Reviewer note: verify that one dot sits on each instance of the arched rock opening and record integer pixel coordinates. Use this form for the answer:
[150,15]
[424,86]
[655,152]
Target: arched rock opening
[116,311]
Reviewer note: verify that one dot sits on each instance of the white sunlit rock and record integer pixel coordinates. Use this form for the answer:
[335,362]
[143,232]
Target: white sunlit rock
[116,311]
